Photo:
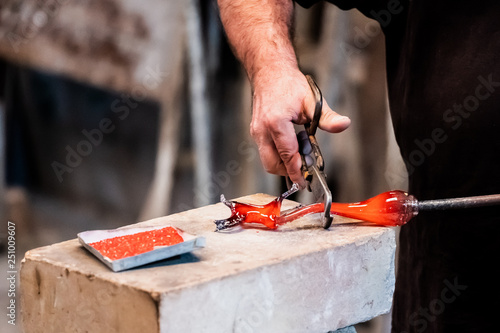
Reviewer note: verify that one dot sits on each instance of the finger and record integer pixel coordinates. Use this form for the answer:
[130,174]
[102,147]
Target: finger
[269,156]
[331,121]
[285,141]
[271,160]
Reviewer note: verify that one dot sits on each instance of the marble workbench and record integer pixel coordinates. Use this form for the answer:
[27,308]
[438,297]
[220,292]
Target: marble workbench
[300,278]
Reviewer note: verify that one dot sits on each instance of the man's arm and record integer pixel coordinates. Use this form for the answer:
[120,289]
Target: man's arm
[260,33]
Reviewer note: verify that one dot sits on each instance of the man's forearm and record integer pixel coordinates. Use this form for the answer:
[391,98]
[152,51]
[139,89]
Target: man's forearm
[260,33]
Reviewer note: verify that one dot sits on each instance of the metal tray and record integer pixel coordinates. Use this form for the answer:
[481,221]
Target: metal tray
[189,244]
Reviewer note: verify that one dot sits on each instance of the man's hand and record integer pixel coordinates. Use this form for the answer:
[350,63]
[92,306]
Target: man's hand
[259,32]
[282,98]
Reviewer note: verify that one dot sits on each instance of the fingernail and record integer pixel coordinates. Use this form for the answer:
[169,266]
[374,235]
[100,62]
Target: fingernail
[344,119]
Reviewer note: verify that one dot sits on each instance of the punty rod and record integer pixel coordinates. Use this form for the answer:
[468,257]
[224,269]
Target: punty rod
[459,203]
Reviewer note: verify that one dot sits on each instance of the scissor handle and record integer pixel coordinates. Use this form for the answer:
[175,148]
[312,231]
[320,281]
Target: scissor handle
[313,125]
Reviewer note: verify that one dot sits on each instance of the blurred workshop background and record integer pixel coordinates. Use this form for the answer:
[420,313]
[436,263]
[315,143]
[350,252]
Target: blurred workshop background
[118,111]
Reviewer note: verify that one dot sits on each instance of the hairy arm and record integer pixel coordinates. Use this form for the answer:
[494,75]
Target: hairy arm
[260,34]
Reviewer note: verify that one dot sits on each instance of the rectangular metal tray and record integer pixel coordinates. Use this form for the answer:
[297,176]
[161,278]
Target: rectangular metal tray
[190,243]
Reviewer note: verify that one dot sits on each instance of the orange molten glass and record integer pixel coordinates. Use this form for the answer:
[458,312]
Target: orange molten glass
[242,213]
[393,208]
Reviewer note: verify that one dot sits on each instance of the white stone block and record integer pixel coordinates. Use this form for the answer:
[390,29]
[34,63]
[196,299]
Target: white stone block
[300,278]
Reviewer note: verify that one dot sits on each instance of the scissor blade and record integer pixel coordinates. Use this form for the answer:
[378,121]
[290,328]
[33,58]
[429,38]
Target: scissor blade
[321,193]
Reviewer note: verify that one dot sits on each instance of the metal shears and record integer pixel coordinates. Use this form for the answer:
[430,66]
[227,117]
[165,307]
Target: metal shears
[314,173]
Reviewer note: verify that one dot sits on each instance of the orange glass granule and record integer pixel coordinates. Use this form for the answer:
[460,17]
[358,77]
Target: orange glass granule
[130,245]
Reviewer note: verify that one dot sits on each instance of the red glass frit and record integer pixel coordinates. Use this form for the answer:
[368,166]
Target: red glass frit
[130,245]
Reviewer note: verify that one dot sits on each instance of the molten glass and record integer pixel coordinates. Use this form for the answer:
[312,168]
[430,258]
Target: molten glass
[393,208]
[242,213]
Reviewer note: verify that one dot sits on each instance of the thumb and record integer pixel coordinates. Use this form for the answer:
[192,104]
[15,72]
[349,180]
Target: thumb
[331,121]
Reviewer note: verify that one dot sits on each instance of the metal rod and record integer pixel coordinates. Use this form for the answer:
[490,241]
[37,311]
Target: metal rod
[459,203]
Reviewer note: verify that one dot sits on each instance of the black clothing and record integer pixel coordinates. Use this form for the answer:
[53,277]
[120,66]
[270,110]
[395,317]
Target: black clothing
[443,74]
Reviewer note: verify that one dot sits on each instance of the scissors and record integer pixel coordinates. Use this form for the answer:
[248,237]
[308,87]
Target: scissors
[314,173]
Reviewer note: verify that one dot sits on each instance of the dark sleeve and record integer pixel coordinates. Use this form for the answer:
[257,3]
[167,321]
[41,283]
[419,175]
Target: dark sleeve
[370,8]
[342,4]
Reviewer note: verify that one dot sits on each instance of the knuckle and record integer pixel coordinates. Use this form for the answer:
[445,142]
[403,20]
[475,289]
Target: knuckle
[270,168]
[272,119]
[256,129]
[286,156]
[268,123]
[253,130]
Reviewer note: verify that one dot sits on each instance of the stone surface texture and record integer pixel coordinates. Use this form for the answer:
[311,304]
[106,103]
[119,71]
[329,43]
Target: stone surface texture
[300,278]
